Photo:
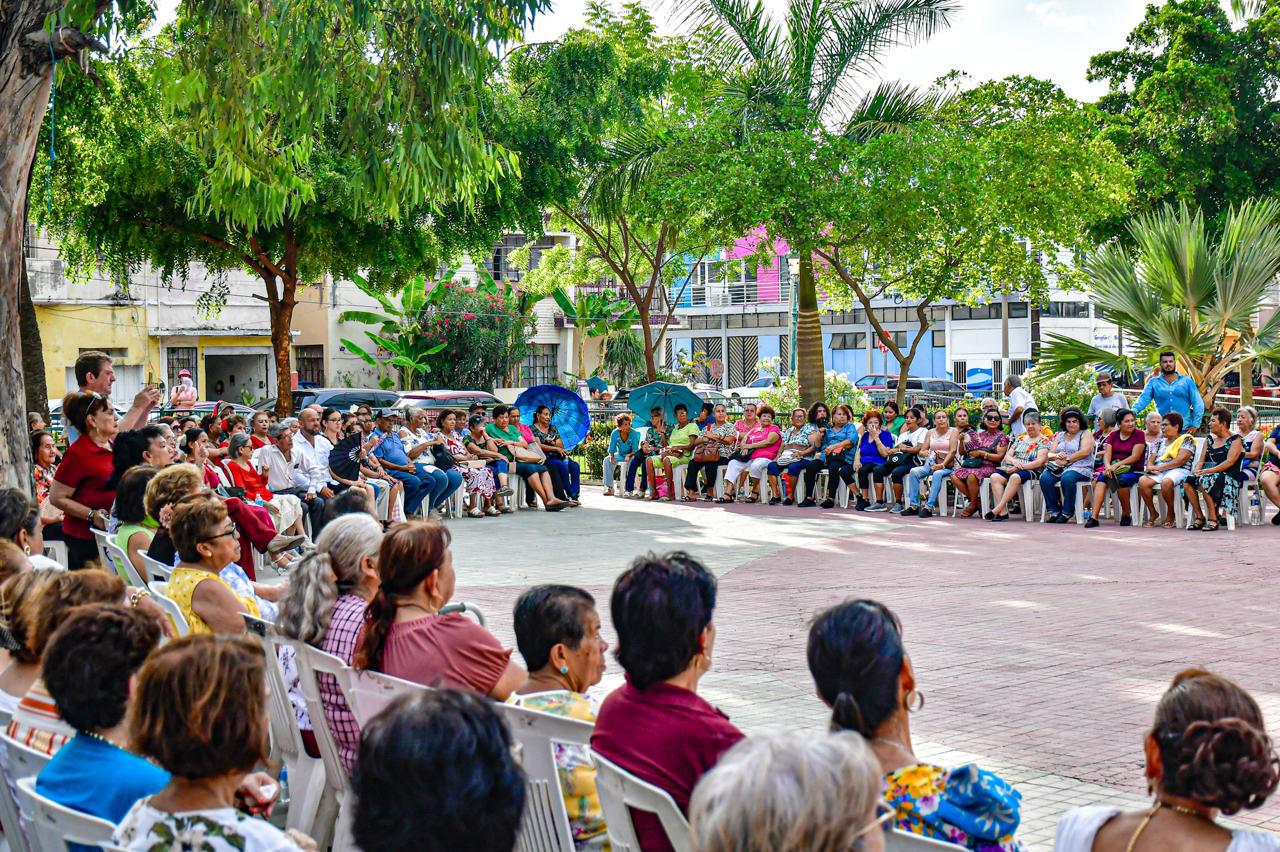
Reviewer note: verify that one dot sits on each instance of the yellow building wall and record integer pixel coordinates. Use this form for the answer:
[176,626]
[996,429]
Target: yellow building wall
[67,329]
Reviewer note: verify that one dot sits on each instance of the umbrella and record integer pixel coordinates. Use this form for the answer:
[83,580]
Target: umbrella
[568,411]
[344,460]
[597,384]
[664,395]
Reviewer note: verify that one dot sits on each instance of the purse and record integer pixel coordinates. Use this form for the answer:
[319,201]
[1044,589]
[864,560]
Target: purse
[708,452]
[529,455]
[896,459]
[972,462]
[1054,468]
[443,458]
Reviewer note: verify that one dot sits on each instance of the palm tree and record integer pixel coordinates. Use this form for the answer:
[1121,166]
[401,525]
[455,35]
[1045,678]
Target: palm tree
[1185,292]
[800,76]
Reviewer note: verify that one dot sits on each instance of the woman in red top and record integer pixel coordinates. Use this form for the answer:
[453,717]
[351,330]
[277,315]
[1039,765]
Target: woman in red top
[80,486]
[258,436]
[285,509]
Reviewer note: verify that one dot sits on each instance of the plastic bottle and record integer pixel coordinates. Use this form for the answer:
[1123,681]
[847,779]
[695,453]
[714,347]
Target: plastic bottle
[1255,507]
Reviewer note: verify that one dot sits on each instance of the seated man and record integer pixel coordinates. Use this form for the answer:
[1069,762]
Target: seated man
[395,461]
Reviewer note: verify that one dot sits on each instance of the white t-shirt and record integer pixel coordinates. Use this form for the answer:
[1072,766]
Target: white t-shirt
[1078,827]
[914,437]
[216,830]
[1020,398]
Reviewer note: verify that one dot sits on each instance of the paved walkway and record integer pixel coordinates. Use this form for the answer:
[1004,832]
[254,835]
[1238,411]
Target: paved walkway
[1041,650]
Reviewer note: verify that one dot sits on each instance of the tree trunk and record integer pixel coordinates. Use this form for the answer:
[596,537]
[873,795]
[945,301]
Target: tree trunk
[808,342]
[25,79]
[1246,384]
[36,391]
[650,368]
[281,340]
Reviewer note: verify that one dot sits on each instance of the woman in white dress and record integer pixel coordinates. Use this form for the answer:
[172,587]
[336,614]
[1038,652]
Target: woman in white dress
[1207,754]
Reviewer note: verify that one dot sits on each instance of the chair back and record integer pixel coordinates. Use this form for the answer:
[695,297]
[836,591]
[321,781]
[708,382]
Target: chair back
[286,739]
[124,566]
[24,761]
[10,820]
[57,551]
[313,662]
[1199,453]
[160,594]
[467,609]
[102,539]
[157,569]
[371,692]
[903,841]
[620,792]
[545,827]
[54,827]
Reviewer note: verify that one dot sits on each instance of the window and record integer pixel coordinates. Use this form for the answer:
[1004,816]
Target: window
[541,366]
[847,340]
[1017,310]
[182,358]
[310,364]
[1066,310]
[978,312]
[939,339]
[735,320]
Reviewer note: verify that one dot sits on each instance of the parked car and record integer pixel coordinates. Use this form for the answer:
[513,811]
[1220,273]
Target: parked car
[200,409]
[437,400]
[751,391]
[928,385]
[877,381]
[342,398]
[1264,387]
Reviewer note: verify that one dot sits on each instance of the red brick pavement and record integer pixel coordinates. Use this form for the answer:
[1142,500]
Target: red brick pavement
[1036,645]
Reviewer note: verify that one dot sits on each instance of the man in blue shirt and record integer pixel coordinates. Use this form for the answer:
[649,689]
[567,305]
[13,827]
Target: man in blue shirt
[396,462]
[1173,392]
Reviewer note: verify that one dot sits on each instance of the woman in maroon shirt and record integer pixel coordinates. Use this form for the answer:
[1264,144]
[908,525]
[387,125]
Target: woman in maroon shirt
[80,486]
[655,725]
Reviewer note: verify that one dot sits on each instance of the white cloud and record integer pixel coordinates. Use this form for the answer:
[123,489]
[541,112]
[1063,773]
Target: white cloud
[1052,14]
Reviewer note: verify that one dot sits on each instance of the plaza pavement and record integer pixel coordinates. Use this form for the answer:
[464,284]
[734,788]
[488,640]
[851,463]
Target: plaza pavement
[1041,650]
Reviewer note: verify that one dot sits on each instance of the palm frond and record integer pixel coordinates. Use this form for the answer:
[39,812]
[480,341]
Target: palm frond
[1245,9]
[1174,256]
[740,29]
[889,107]
[627,164]
[1061,354]
[1250,252]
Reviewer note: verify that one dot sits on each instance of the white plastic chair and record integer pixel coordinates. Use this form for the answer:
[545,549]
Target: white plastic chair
[545,827]
[122,562]
[902,841]
[333,813]
[102,539]
[286,739]
[53,826]
[157,569]
[57,551]
[10,820]
[24,761]
[1027,494]
[160,594]
[369,693]
[620,792]
[467,609]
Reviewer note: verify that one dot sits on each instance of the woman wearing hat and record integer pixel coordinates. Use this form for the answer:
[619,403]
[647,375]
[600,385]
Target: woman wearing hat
[184,392]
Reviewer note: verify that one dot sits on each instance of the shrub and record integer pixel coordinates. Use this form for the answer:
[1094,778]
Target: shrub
[785,393]
[1053,393]
[478,329]
[591,452]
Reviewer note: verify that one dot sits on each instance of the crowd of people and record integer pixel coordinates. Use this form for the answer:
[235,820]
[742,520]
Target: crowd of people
[167,736]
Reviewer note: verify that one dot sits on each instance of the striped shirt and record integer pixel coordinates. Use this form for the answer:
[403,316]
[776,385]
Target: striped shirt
[37,723]
[340,640]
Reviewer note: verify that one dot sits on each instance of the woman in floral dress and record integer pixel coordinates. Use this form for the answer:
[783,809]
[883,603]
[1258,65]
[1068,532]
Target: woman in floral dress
[477,480]
[986,445]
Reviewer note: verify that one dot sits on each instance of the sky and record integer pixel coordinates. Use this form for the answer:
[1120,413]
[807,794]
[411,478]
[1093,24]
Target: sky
[989,39]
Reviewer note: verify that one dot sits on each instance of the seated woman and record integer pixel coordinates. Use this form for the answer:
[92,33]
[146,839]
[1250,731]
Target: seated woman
[329,591]
[450,742]
[905,455]
[20,597]
[1070,463]
[892,417]
[200,713]
[655,725]
[20,526]
[791,792]
[797,446]
[1217,476]
[205,539]
[558,634]
[655,439]
[941,447]
[835,456]
[195,449]
[136,528]
[624,442]
[44,466]
[1123,454]
[677,452]
[479,445]
[404,633]
[1022,463]
[874,445]
[548,437]
[285,509]
[711,452]
[514,448]
[1207,753]
[329,437]
[1269,478]
[863,673]
[258,436]
[761,446]
[980,452]
[1168,464]
[477,478]
[1254,442]
[138,446]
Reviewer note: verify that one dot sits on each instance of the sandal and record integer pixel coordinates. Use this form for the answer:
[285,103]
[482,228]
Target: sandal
[1212,526]
[752,499]
[1197,525]
[688,499]
[728,498]
[1149,523]
[1167,525]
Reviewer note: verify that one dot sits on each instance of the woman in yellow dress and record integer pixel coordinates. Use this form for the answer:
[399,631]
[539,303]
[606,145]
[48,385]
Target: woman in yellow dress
[206,541]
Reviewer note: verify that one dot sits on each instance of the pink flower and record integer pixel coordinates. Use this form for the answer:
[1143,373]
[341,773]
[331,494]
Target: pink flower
[468,316]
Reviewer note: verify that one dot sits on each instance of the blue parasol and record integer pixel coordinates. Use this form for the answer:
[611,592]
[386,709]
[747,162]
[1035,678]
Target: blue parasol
[568,411]
[597,384]
[666,396]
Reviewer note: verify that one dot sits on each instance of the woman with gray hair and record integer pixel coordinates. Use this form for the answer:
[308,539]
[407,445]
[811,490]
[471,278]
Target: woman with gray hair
[285,509]
[324,607]
[791,792]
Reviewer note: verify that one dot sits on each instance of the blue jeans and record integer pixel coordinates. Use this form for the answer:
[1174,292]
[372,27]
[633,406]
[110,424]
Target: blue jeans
[1070,480]
[793,470]
[570,474]
[415,488]
[937,481]
[637,464]
[444,483]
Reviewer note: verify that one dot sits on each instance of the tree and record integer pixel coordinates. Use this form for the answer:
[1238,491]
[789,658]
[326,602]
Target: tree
[623,359]
[255,88]
[594,315]
[983,198]
[478,325]
[1192,105]
[786,84]
[399,330]
[1183,290]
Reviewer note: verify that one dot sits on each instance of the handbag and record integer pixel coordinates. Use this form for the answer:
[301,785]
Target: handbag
[972,462]
[528,455]
[443,458]
[1054,468]
[896,459]
[707,452]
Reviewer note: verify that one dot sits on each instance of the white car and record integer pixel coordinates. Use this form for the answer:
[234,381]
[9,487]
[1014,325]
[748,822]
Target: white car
[751,391]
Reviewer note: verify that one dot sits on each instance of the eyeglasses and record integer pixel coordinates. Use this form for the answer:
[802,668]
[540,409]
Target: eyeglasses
[884,820]
[229,532]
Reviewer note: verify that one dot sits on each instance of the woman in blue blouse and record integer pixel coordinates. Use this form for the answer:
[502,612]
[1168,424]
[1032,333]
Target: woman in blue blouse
[874,447]
[624,442]
[835,456]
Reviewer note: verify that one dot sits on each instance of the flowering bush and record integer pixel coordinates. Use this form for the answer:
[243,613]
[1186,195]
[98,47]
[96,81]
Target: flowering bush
[1053,393]
[785,393]
[483,333]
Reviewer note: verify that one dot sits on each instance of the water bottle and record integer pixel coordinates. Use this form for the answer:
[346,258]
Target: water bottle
[284,787]
[1255,507]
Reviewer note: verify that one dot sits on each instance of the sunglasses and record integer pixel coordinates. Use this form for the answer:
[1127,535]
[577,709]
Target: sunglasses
[992,417]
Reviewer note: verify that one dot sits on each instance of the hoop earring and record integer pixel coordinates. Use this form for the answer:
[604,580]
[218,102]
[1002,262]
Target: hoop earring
[910,702]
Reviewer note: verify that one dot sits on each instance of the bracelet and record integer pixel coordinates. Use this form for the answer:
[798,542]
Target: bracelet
[138,595]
